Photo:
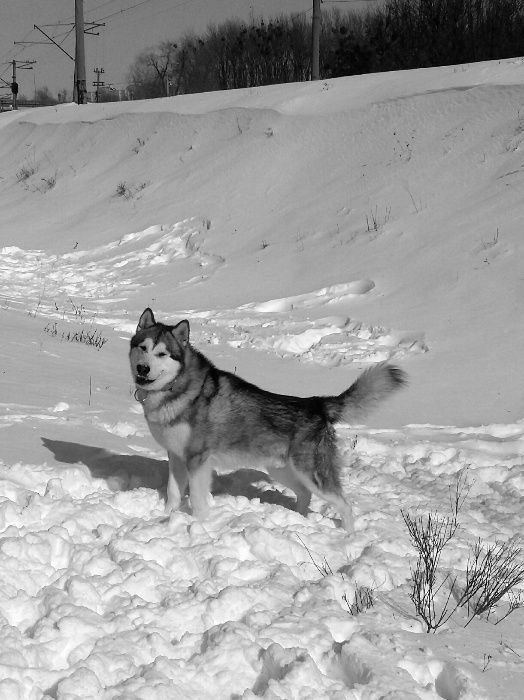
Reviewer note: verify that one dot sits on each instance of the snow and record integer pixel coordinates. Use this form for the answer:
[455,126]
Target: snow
[306,231]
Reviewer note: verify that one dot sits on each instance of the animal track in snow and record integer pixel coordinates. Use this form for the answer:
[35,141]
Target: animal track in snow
[326,295]
[111,272]
[330,340]
[101,273]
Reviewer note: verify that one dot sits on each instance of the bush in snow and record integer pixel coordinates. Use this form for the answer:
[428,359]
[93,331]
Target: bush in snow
[25,172]
[127,192]
[122,190]
[492,571]
[87,336]
[363,599]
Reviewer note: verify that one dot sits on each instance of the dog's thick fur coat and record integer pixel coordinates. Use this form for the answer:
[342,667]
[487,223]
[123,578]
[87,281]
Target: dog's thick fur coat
[199,414]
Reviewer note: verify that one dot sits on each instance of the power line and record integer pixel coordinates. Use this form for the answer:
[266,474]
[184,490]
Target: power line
[144,2]
[121,11]
[60,37]
[102,4]
[14,55]
[69,19]
[126,9]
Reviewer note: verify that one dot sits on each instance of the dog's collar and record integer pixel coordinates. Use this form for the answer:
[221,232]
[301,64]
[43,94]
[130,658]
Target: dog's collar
[142,394]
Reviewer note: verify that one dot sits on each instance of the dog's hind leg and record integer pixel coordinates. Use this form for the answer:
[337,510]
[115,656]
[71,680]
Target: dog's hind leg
[177,482]
[303,494]
[311,482]
[286,476]
[200,478]
[318,468]
[342,506]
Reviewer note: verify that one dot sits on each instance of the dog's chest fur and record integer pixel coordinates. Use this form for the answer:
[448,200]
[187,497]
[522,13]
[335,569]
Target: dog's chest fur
[166,421]
[174,438]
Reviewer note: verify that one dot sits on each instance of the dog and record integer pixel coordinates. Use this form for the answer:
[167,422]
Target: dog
[202,415]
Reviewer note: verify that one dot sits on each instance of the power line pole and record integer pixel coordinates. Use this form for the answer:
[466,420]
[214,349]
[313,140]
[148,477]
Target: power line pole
[315,41]
[14,87]
[27,65]
[80,88]
[98,83]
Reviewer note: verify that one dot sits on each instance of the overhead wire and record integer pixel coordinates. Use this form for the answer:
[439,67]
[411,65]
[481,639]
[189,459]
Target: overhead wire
[12,54]
[63,35]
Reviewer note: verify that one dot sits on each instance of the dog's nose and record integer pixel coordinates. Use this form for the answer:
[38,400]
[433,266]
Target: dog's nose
[142,370]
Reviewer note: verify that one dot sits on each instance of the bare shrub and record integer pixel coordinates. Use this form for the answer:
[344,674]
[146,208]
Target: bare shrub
[129,191]
[87,336]
[87,333]
[323,569]
[122,190]
[375,221]
[492,570]
[49,183]
[430,534]
[25,172]
[363,599]
[491,573]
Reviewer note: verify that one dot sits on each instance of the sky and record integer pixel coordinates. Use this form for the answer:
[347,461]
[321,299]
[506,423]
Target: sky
[130,27]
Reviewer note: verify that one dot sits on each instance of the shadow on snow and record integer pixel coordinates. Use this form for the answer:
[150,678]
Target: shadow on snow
[123,472]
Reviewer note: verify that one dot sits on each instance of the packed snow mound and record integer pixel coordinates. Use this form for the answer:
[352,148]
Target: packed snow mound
[397,194]
[104,594]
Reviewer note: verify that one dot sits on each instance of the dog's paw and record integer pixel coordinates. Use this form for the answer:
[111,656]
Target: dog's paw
[348,523]
[201,510]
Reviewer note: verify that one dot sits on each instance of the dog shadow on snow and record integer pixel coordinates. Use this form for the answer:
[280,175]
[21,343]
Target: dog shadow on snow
[123,472]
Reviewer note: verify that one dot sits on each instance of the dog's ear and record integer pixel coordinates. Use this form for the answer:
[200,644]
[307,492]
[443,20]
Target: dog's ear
[147,320]
[181,333]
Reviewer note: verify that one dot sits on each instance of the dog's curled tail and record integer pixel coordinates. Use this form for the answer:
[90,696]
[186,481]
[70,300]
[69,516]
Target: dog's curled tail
[373,385]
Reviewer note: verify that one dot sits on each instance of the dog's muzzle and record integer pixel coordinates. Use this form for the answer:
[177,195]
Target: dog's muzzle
[141,374]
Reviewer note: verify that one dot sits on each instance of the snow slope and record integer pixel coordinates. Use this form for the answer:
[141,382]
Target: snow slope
[306,231]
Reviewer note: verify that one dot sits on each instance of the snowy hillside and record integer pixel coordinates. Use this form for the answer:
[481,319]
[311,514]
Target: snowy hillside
[305,231]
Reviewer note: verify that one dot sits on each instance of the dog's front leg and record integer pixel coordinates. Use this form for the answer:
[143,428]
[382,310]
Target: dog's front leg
[200,478]
[177,482]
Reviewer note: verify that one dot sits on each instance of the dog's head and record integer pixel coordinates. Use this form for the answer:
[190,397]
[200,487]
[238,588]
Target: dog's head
[157,352]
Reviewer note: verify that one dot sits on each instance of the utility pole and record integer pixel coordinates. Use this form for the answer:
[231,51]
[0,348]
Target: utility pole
[14,87]
[27,65]
[315,41]
[98,83]
[80,89]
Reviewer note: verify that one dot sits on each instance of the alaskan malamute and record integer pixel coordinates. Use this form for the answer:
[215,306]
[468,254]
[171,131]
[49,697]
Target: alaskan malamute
[203,415]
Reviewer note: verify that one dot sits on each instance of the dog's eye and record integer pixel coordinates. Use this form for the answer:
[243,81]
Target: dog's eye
[143,347]
[162,354]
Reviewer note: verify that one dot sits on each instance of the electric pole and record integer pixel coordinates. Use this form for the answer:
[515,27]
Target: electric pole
[315,41]
[14,87]
[27,65]
[98,83]
[80,89]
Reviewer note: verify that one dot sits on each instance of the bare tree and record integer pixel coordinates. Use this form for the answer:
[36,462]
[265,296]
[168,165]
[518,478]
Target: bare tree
[152,71]
[44,97]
